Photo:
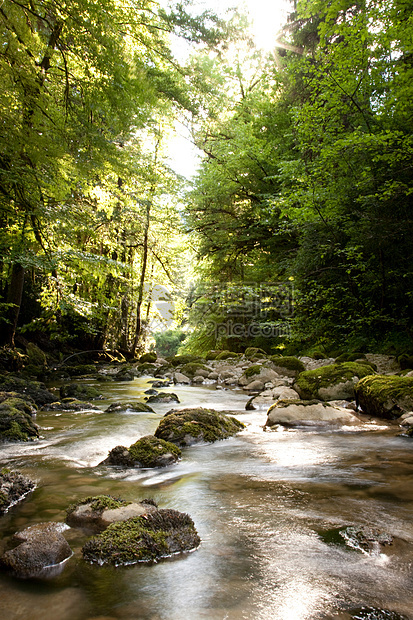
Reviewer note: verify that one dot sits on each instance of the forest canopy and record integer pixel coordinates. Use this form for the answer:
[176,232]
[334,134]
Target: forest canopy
[299,219]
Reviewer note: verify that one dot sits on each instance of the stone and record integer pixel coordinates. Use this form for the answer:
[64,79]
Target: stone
[198,379]
[258,372]
[164,397]
[267,398]
[181,378]
[41,553]
[14,487]
[331,382]
[36,390]
[97,513]
[148,538]
[385,396]
[308,413]
[70,404]
[149,451]
[81,391]
[254,386]
[16,422]
[190,426]
[135,407]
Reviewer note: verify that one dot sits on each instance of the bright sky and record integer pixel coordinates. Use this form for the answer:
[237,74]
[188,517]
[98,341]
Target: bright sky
[268,16]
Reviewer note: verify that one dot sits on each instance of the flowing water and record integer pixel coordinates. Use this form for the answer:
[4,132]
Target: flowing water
[265,503]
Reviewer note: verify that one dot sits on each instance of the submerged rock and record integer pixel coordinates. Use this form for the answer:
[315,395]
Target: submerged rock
[14,487]
[41,551]
[146,538]
[385,396]
[97,513]
[332,382]
[365,538]
[190,426]
[148,451]
[371,613]
[308,413]
[123,407]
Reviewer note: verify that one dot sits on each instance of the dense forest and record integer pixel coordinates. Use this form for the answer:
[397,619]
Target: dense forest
[294,236]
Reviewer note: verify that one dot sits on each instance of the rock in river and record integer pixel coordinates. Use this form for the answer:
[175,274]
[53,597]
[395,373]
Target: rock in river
[385,396]
[13,488]
[331,382]
[41,553]
[97,513]
[148,538]
[190,426]
[308,413]
[148,451]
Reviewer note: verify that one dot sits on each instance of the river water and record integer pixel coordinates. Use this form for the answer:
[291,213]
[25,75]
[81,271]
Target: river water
[265,503]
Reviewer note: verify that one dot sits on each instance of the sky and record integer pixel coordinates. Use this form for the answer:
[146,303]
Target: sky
[267,16]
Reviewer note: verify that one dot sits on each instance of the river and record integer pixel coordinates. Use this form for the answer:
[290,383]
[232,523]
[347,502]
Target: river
[265,503]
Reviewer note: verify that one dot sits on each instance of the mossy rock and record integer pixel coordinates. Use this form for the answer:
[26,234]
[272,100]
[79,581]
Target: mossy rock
[150,357]
[70,404]
[34,389]
[177,360]
[190,369]
[16,424]
[79,370]
[14,487]
[385,396]
[88,512]
[80,391]
[123,407]
[332,382]
[147,368]
[253,370]
[143,539]
[212,355]
[190,426]
[150,451]
[164,397]
[225,355]
[288,363]
[36,355]
[254,353]
[349,357]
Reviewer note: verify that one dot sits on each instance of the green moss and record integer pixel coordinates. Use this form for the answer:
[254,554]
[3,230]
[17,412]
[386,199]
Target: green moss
[310,381]
[254,352]
[253,370]
[348,357]
[385,396]
[198,424]
[147,368]
[290,362]
[148,450]
[143,539]
[405,361]
[80,391]
[190,369]
[16,425]
[224,355]
[98,503]
[150,357]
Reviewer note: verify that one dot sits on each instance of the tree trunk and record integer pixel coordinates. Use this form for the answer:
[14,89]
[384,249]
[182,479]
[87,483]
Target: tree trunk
[14,297]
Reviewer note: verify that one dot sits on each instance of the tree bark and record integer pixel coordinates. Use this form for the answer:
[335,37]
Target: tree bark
[14,297]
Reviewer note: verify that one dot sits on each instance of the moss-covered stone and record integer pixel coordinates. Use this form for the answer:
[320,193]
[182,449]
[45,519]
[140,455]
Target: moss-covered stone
[385,396]
[70,404]
[335,381]
[253,370]
[36,355]
[143,539]
[349,357]
[164,397]
[254,353]
[80,370]
[88,512]
[81,391]
[147,368]
[225,355]
[190,369]
[288,364]
[135,407]
[212,355]
[150,451]
[16,423]
[190,426]
[34,389]
[405,361]
[150,357]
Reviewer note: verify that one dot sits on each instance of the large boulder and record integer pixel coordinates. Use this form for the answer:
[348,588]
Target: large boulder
[146,538]
[287,366]
[148,451]
[41,552]
[16,422]
[97,513]
[14,487]
[258,372]
[308,413]
[332,382]
[385,396]
[269,397]
[190,426]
